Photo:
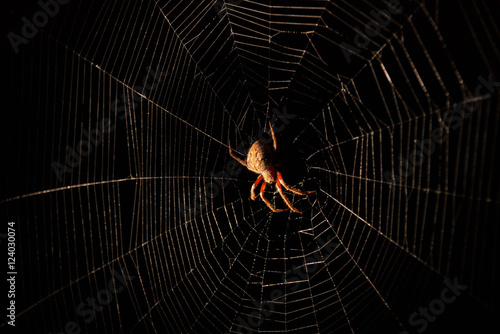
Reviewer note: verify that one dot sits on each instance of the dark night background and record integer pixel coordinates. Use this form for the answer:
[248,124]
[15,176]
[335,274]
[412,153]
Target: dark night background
[125,207]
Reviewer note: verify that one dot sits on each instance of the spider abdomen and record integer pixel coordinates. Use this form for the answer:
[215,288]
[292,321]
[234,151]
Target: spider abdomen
[260,157]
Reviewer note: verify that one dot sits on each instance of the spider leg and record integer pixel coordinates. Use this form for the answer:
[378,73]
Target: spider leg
[292,189]
[287,201]
[275,143]
[234,156]
[252,191]
[266,201]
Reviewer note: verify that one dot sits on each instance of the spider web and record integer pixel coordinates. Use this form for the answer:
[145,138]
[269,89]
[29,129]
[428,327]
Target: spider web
[157,217]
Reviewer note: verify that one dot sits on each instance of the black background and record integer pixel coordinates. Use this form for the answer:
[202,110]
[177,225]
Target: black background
[55,274]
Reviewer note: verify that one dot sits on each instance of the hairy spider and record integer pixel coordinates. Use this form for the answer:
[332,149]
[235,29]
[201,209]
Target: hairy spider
[260,160]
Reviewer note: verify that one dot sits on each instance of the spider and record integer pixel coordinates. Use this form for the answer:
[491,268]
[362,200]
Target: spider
[260,160]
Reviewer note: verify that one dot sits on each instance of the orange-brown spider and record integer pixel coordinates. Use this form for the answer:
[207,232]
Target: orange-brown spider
[260,160]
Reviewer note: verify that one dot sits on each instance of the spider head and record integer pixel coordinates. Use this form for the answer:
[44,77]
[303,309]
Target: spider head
[269,174]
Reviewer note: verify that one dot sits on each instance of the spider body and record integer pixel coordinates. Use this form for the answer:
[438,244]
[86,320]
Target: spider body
[260,160]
